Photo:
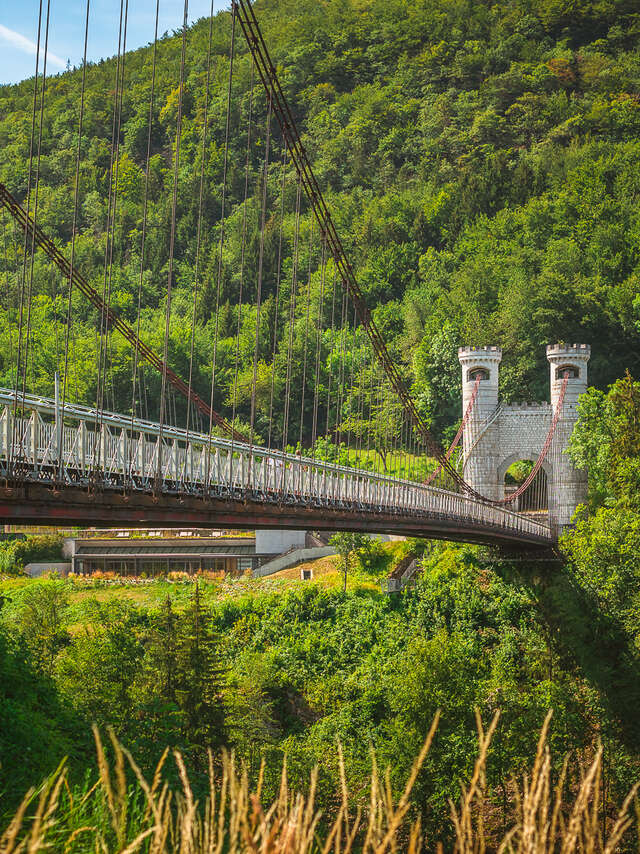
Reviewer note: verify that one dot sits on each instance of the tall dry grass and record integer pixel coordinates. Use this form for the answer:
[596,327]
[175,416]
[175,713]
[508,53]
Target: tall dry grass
[233,818]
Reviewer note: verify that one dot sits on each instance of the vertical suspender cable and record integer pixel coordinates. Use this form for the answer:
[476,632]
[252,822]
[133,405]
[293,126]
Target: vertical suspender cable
[172,244]
[292,317]
[8,286]
[256,351]
[23,283]
[362,358]
[108,253]
[306,338]
[199,227]
[319,323]
[277,305]
[35,208]
[340,388]
[74,226]
[330,350]
[137,377]
[352,358]
[243,249]
[221,243]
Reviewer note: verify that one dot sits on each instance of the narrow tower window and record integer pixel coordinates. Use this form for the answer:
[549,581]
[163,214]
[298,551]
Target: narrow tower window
[572,371]
[477,373]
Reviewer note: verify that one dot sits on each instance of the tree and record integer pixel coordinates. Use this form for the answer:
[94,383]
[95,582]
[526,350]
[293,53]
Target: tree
[97,671]
[165,650]
[15,553]
[156,686]
[252,718]
[199,680]
[43,621]
[603,551]
[437,372]
[347,544]
[37,728]
[606,441]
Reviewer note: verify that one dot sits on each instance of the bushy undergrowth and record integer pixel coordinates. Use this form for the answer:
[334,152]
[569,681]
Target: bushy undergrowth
[15,553]
[290,674]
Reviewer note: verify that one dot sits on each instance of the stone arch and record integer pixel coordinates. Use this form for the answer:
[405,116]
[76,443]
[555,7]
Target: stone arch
[515,457]
[507,462]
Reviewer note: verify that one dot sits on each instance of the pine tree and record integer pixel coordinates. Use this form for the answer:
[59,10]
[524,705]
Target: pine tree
[156,685]
[199,680]
[168,651]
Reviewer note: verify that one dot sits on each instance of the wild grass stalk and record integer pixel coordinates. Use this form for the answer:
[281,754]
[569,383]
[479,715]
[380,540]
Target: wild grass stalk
[129,814]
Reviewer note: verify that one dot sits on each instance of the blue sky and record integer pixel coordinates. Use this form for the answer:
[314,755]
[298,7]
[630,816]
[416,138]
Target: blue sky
[19,30]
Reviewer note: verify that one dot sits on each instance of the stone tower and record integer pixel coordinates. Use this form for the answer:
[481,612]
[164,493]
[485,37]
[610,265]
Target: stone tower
[480,468]
[496,434]
[570,482]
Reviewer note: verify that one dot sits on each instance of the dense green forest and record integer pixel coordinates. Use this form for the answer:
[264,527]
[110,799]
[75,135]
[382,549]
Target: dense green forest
[481,161]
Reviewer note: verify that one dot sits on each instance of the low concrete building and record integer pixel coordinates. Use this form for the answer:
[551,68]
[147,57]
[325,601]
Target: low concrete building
[280,540]
[137,555]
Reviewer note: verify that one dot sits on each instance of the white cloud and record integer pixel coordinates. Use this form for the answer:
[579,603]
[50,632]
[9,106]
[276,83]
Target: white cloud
[27,46]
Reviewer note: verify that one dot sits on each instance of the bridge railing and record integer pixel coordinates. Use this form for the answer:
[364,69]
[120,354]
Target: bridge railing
[121,451]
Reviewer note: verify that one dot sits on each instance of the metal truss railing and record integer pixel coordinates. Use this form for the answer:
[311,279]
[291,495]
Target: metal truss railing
[117,451]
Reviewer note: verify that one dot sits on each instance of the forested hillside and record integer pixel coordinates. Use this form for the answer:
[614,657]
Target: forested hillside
[482,162]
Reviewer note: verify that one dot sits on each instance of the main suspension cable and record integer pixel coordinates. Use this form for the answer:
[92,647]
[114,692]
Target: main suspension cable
[115,321]
[268,74]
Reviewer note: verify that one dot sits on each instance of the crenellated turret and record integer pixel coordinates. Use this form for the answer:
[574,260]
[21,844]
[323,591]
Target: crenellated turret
[568,359]
[480,362]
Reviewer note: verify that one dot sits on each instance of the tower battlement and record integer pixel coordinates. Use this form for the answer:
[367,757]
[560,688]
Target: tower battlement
[480,364]
[561,349]
[526,407]
[568,360]
[479,352]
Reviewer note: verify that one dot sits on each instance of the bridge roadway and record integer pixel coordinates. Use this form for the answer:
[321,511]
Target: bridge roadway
[99,468]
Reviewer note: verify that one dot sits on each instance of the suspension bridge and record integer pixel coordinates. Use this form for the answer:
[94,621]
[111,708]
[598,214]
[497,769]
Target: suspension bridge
[311,424]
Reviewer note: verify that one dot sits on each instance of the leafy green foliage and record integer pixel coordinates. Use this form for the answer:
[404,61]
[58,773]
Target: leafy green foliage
[15,553]
[349,544]
[482,164]
[289,673]
[37,730]
[43,621]
[606,442]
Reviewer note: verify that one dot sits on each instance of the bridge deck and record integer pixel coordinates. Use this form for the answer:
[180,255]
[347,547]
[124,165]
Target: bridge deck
[105,468]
